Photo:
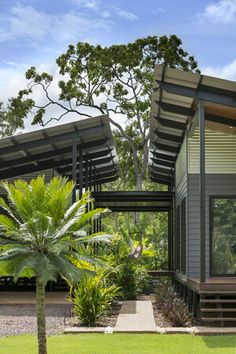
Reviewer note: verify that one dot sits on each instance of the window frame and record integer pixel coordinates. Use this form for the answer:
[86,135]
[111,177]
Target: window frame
[211,216]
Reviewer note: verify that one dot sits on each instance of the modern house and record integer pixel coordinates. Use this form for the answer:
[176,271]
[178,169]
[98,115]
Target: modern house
[193,151]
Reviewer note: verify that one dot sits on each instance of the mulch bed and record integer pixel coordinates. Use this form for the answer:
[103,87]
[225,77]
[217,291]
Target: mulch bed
[108,320]
[160,319]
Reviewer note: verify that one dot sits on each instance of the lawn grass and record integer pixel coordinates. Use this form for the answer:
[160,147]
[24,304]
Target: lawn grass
[121,344]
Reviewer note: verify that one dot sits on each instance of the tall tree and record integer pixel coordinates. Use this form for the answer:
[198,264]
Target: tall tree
[117,80]
[12,116]
[41,236]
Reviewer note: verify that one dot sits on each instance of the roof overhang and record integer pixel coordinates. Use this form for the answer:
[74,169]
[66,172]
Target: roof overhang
[52,148]
[175,99]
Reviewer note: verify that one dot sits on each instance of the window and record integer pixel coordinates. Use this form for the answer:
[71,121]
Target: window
[181,237]
[223,236]
[177,241]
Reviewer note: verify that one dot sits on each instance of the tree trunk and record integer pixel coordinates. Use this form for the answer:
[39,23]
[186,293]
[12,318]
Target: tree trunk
[139,182]
[41,321]
[139,187]
[116,218]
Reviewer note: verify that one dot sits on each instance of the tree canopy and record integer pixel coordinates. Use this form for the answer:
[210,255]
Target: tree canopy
[117,80]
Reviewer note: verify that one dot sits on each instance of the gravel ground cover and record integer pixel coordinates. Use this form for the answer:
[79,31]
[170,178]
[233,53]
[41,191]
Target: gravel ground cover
[19,319]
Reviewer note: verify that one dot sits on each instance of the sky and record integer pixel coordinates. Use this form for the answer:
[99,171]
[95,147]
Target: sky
[36,32]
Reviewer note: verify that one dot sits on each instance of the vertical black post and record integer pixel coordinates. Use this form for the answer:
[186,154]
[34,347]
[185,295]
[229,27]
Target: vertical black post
[94,179]
[86,173]
[90,190]
[94,189]
[100,217]
[90,177]
[80,172]
[202,190]
[169,241]
[74,168]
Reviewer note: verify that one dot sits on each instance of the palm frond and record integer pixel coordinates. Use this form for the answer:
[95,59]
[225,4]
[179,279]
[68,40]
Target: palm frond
[90,215]
[43,232]
[14,252]
[7,224]
[6,207]
[96,238]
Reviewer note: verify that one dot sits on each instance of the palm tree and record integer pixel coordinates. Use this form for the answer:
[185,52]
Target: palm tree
[42,234]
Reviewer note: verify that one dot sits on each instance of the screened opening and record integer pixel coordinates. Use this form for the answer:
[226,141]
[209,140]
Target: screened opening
[223,236]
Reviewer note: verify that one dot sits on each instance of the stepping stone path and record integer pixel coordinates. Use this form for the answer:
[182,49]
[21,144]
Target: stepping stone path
[136,316]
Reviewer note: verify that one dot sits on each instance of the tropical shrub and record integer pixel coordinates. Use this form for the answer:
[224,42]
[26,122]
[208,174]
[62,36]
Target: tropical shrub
[92,297]
[172,305]
[132,278]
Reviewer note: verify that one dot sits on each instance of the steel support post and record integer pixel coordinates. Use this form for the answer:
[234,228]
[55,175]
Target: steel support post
[169,240]
[202,190]
[90,177]
[80,172]
[86,173]
[74,168]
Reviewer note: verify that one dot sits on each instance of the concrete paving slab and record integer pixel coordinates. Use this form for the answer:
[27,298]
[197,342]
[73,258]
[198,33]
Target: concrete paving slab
[29,297]
[136,317]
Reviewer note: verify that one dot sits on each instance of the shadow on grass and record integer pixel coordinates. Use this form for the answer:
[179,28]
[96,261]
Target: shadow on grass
[223,342]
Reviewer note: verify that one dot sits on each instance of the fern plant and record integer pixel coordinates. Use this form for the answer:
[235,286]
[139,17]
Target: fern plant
[41,236]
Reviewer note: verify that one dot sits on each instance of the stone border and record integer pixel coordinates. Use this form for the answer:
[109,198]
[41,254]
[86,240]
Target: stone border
[200,331]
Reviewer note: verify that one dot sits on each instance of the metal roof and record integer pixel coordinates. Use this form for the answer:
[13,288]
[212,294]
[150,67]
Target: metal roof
[174,103]
[52,148]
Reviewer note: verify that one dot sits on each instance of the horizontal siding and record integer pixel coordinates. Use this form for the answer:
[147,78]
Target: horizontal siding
[220,152]
[216,184]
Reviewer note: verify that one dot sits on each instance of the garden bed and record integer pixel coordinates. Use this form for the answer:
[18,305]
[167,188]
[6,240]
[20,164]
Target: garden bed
[106,321]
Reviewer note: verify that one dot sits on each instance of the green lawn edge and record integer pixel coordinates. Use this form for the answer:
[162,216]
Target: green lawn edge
[121,344]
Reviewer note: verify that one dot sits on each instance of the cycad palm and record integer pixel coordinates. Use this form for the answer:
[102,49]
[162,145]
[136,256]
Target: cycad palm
[41,234]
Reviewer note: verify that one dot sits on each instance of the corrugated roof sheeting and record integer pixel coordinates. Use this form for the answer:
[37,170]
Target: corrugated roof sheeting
[174,103]
[52,148]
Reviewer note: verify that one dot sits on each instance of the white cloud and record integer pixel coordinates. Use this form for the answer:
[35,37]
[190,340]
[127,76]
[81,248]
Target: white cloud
[105,10]
[125,14]
[223,11]
[89,4]
[227,71]
[28,24]
[12,79]
[160,9]
[105,14]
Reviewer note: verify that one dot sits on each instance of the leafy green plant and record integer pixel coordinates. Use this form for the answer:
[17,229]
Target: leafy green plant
[132,279]
[42,235]
[92,297]
[172,305]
